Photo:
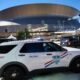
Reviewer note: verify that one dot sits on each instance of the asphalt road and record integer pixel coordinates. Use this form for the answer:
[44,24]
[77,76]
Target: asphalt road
[59,76]
[63,74]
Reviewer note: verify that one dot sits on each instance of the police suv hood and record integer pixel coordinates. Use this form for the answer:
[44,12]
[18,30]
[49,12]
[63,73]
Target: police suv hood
[72,49]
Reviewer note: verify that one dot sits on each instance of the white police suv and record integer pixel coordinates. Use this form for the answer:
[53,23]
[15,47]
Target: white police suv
[18,58]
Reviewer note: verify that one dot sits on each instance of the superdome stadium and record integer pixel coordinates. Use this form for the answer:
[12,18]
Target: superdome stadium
[57,17]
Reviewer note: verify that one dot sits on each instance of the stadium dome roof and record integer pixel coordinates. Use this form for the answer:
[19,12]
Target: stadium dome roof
[40,9]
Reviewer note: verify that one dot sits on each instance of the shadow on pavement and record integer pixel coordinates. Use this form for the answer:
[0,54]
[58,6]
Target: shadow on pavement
[48,72]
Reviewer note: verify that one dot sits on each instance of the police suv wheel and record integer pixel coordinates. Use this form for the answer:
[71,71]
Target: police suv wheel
[13,73]
[75,67]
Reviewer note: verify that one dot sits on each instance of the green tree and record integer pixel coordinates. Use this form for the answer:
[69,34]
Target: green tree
[21,35]
[27,34]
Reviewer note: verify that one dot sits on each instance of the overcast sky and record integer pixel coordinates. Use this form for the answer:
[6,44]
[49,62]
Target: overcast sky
[10,3]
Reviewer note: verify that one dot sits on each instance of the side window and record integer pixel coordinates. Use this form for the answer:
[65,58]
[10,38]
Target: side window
[56,47]
[6,48]
[50,47]
[32,48]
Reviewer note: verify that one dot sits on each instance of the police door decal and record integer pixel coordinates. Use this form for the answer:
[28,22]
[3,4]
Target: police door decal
[55,59]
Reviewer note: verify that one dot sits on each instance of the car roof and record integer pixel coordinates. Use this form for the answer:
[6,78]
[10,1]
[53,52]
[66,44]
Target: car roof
[22,41]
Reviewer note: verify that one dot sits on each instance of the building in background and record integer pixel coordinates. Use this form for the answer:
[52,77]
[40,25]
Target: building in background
[39,18]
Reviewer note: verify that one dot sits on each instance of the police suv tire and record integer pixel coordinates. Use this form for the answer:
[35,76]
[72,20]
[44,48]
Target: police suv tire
[75,66]
[13,73]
